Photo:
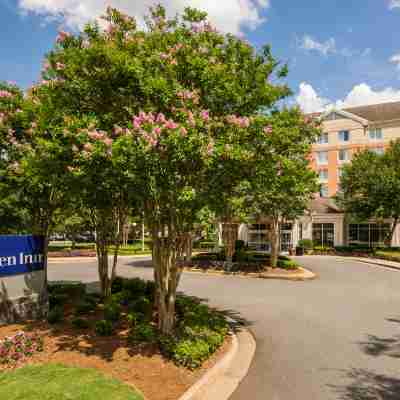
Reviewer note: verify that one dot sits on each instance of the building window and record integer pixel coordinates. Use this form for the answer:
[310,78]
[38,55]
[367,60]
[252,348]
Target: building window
[322,157]
[344,136]
[375,134]
[324,191]
[343,155]
[323,235]
[323,138]
[340,173]
[377,150]
[258,227]
[323,175]
[372,235]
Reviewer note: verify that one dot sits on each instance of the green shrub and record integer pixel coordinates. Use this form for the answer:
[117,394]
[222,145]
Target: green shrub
[150,290]
[191,353]
[305,244]
[80,323]
[112,311]
[85,307]
[57,299]
[117,285]
[287,264]
[143,333]
[142,306]
[71,289]
[136,287]
[55,315]
[240,245]
[104,328]
[133,318]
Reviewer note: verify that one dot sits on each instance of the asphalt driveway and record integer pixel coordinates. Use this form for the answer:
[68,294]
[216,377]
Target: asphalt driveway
[337,337]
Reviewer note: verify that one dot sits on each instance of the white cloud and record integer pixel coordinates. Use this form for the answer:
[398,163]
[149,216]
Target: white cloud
[395,59]
[310,101]
[394,4]
[309,43]
[227,15]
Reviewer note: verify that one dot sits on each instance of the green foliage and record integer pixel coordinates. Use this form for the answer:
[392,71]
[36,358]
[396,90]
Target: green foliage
[112,311]
[80,323]
[306,244]
[143,332]
[104,328]
[370,186]
[55,315]
[58,299]
[142,306]
[84,307]
[135,286]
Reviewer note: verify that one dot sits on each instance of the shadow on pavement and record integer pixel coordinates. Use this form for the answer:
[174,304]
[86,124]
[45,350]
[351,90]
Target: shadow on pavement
[379,346]
[368,385]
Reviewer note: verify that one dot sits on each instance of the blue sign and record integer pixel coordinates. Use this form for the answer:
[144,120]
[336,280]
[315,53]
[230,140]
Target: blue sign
[21,254]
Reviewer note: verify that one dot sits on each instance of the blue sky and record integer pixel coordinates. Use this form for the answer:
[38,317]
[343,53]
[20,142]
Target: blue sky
[341,52]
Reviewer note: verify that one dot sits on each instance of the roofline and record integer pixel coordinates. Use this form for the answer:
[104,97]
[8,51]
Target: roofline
[346,114]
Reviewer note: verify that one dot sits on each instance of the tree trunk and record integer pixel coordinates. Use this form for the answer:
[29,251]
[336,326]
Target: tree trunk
[230,235]
[389,239]
[188,247]
[274,243]
[166,276]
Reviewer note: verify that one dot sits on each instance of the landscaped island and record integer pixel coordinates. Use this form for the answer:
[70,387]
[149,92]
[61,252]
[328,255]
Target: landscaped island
[118,337]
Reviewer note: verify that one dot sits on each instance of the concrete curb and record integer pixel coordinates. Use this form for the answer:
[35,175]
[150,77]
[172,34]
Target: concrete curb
[223,379]
[304,275]
[377,262]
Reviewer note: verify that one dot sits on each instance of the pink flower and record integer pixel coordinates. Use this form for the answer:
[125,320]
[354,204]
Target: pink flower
[108,142]
[157,131]
[268,129]
[88,147]
[170,124]
[191,119]
[174,62]
[210,148]
[118,130]
[34,125]
[163,56]
[5,94]
[75,148]
[70,169]
[244,122]
[62,36]
[161,118]
[184,131]
[205,115]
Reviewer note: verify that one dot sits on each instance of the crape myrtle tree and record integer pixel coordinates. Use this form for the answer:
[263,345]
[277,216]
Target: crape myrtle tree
[13,218]
[36,160]
[199,86]
[370,187]
[283,182]
[151,110]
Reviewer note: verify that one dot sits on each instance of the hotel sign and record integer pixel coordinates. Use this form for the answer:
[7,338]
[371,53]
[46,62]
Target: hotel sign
[21,254]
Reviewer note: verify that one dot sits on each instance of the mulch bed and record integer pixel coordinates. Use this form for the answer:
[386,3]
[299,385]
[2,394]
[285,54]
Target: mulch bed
[142,366]
[237,268]
[73,253]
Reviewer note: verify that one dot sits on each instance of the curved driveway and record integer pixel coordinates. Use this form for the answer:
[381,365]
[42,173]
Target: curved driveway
[337,337]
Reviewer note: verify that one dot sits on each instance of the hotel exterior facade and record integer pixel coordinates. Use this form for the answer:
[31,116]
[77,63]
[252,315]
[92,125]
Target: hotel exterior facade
[344,132]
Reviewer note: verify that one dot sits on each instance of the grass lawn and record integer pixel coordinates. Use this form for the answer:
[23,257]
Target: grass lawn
[59,382]
[393,254]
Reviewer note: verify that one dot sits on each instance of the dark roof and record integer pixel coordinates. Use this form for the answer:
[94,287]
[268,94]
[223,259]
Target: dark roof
[321,205]
[377,112]
[373,113]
